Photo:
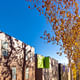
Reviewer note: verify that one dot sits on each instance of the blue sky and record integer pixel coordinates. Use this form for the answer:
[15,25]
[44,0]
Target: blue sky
[27,25]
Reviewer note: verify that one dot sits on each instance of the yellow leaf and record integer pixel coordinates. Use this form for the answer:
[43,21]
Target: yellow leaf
[76,43]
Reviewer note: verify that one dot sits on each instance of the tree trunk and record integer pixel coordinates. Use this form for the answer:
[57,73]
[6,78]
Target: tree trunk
[70,71]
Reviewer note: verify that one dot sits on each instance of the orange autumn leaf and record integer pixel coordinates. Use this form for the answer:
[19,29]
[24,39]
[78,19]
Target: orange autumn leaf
[56,27]
[47,9]
[76,4]
[28,6]
[62,12]
[42,6]
[52,19]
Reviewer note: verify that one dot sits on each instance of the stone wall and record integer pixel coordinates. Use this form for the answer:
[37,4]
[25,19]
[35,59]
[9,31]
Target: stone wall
[14,53]
[52,72]
[63,72]
[47,73]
